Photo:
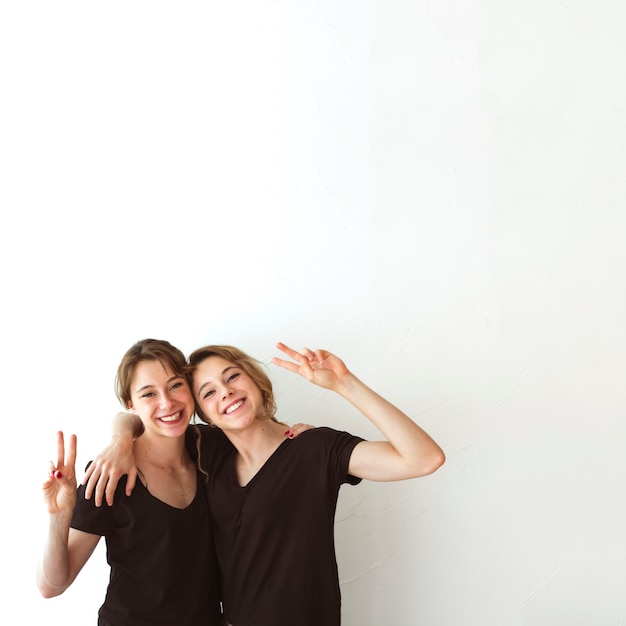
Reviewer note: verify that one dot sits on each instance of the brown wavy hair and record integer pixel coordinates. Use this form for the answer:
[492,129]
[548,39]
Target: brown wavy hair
[152,350]
[147,350]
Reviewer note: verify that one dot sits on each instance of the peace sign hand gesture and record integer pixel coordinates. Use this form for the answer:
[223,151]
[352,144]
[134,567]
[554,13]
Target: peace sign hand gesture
[320,367]
[59,490]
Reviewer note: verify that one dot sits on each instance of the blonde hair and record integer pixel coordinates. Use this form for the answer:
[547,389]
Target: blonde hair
[250,366]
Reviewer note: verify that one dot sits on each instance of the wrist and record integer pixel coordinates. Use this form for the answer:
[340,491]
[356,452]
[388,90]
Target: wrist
[347,385]
[60,521]
[126,427]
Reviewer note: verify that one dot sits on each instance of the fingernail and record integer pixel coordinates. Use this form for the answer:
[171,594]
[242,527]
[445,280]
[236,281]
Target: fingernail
[58,474]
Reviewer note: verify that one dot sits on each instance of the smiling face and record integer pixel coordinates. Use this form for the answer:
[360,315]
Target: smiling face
[226,394]
[161,398]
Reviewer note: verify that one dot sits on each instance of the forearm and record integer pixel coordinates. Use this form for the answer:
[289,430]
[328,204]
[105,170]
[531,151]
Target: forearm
[53,570]
[411,452]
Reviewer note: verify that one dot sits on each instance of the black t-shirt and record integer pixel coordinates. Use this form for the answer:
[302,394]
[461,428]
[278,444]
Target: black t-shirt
[275,536]
[163,565]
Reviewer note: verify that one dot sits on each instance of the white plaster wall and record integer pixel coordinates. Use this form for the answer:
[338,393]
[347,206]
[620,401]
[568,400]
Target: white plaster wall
[434,190]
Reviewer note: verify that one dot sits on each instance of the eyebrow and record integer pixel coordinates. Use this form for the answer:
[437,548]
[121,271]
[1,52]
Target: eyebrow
[169,380]
[208,382]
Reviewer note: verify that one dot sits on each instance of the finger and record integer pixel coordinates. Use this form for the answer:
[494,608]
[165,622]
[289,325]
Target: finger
[288,365]
[131,480]
[306,360]
[109,493]
[60,449]
[113,480]
[51,469]
[85,480]
[289,351]
[95,473]
[99,490]
[308,355]
[299,428]
[89,484]
[315,358]
[104,483]
[71,453]
[53,472]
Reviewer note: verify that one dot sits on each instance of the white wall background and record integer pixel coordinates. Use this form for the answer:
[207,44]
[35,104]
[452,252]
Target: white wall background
[434,190]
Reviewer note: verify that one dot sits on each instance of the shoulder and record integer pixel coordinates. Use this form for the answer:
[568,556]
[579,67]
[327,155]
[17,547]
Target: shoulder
[323,437]
[325,433]
[205,433]
[207,441]
[329,450]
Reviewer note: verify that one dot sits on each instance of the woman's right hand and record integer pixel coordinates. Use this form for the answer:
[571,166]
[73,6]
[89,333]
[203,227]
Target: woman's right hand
[105,471]
[59,490]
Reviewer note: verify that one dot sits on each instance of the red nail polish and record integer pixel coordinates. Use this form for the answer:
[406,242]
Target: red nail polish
[58,474]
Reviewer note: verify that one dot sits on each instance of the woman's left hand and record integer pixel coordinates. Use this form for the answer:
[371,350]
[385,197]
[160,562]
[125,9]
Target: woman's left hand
[59,489]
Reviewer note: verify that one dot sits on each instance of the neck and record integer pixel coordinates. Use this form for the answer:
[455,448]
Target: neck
[162,452]
[255,443]
[255,446]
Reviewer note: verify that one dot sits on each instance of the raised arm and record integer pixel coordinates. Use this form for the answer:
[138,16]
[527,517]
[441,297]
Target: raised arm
[409,451]
[65,550]
[114,461]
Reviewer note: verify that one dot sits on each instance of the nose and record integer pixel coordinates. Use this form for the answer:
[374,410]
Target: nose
[166,401]
[226,391]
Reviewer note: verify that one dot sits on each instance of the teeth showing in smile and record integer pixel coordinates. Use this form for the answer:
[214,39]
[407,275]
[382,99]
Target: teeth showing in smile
[233,407]
[170,418]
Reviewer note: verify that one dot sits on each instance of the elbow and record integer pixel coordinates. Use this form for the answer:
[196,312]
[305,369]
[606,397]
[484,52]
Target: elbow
[48,591]
[437,461]
[430,463]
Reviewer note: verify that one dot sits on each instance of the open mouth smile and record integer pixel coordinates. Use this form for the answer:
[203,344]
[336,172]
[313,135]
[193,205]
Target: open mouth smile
[233,407]
[170,418]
